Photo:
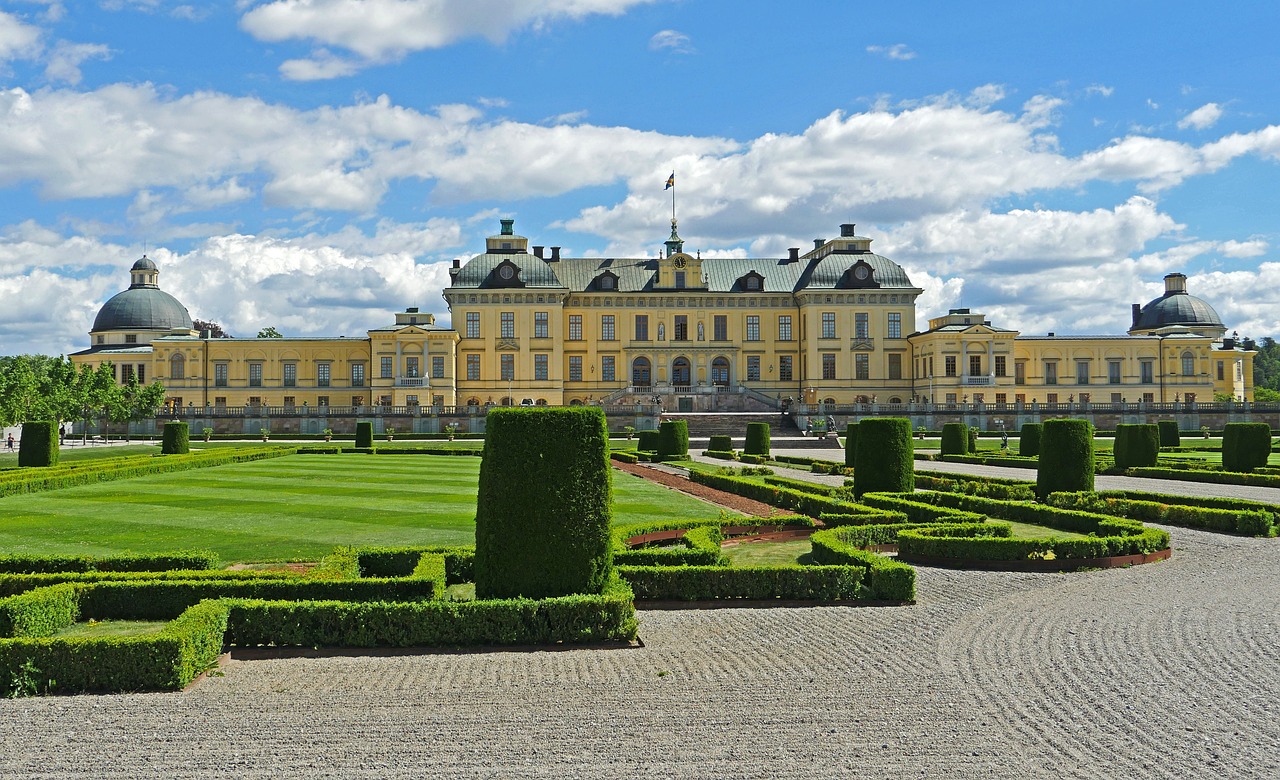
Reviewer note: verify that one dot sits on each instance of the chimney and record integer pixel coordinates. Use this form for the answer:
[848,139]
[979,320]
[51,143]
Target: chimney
[206,334]
[537,252]
[457,262]
[848,230]
[508,227]
[793,254]
[1175,283]
[1137,314]
[555,254]
[818,242]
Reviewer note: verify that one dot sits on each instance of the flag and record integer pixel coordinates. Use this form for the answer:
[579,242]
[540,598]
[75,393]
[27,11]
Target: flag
[671,181]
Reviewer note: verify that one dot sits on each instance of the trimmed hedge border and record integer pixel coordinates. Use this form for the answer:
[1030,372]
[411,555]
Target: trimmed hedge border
[804,502]
[1206,475]
[1235,520]
[48,564]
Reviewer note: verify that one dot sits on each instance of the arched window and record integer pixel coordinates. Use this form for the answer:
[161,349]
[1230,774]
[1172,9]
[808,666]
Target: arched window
[641,372]
[473,402]
[893,399]
[177,366]
[829,401]
[1188,364]
[576,402]
[505,401]
[720,372]
[540,402]
[681,373]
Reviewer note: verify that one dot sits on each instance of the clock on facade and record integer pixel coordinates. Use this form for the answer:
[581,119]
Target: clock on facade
[679,262]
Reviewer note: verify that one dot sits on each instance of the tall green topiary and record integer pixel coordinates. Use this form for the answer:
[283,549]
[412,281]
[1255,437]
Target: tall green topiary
[1245,446]
[757,439]
[364,434]
[721,443]
[673,439]
[1066,457]
[647,441]
[1169,434]
[1029,439]
[973,439]
[544,502]
[955,439]
[850,444]
[885,461]
[39,445]
[1137,445]
[177,439]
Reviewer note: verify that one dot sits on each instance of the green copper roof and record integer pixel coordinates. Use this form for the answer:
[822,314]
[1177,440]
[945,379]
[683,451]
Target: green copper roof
[142,308]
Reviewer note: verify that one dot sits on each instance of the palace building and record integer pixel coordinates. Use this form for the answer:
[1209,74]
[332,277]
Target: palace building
[835,324]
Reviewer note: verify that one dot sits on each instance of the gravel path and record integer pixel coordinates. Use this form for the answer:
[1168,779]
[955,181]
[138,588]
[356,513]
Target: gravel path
[1165,670]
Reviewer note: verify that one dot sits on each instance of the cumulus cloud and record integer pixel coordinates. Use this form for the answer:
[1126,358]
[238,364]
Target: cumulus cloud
[64,61]
[671,40]
[384,30]
[18,40]
[898,51]
[322,64]
[1202,118]
[1099,89]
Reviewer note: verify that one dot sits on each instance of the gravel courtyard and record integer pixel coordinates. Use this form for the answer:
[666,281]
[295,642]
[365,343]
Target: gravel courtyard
[1164,670]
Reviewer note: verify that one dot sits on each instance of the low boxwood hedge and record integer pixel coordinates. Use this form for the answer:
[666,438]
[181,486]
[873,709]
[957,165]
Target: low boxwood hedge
[702,583]
[1240,521]
[721,443]
[886,579]
[153,562]
[721,454]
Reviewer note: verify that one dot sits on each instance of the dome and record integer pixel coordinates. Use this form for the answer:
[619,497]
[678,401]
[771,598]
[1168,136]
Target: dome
[142,308]
[144,264]
[1176,308]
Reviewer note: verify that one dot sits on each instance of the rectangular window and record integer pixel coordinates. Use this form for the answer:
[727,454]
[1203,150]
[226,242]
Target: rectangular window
[862,366]
[473,324]
[784,368]
[411,367]
[606,327]
[753,327]
[1084,398]
[411,400]
[388,366]
[131,339]
[608,368]
[142,373]
[289,402]
[323,400]
[575,368]
[357,374]
[357,400]
[1051,398]
[753,368]
[473,367]
[322,374]
[1002,368]
[642,327]
[437,366]
[507,364]
[1050,372]
[1117,398]
[950,365]
[255,401]
[784,327]
[951,399]
[720,328]
[1020,372]
[680,283]
[975,365]
[255,375]
[540,328]
[895,365]
[895,325]
[540,367]
[1148,371]
[220,371]
[861,325]
[507,324]
[828,325]
[126,372]
[1082,372]
[1002,399]
[575,327]
[682,327]
[979,398]
[220,402]
[1148,398]
[1222,373]
[828,365]
[1113,372]
[290,374]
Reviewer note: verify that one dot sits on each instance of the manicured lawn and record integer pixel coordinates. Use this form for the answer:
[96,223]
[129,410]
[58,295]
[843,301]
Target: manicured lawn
[91,452]
[110,628]
[770,553]
[293,508]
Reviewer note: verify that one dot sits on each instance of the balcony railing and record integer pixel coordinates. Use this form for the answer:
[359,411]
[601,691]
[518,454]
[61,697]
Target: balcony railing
[979,381]
[411,381]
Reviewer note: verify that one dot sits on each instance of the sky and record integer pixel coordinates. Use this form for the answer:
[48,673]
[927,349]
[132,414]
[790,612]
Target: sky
[316,165]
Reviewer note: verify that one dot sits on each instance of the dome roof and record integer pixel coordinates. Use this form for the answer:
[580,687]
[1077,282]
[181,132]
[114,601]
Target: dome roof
[142,308]
[1177,308]
[144,264]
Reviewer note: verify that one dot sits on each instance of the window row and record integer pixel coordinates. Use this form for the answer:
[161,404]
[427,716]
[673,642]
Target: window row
[289,374]
[680,327]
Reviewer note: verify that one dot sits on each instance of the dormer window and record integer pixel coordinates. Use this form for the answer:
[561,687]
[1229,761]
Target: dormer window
[860,275]
[506,274]
[607,281]
[751,282]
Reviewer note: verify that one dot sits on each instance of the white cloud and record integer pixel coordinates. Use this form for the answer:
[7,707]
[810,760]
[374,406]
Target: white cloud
[18,40]
[64,61]
[1202,118]
[898,51]
[671,40]
[567,118]
[321,65]
[383,30]
[1099,89]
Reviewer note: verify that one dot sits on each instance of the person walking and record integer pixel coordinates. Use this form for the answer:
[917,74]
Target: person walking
[9,444]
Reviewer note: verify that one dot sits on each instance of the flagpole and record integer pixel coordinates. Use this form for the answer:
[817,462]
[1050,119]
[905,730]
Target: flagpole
[673,197]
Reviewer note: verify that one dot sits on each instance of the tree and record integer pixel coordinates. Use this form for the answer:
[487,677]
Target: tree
[269,333]
[215,330]
[137,402]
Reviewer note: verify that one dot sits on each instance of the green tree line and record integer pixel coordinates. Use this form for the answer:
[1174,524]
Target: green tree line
[40,387]
[1266,371]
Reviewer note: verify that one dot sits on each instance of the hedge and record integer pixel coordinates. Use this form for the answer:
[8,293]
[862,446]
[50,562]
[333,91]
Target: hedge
[1013,461]
[701,583]
[1243,522]
[608,616]
[700,545]
[623,456]
[544,503]
[721,454]
[1066,457]
[364,434]
[39,446]
[757,439]
[885,580]
[884,459]
[13,584]
[1169,434]
[39,612]
[673,439]
[1029,440]
[401,561]
[1205,475]
[41,564]
[1137,445]
[647,441]
[721,443]
[987,487]
[920,511]
[1245,446]
[955,439]
[786,498]
[850,444]
[176,439]
[1211,502]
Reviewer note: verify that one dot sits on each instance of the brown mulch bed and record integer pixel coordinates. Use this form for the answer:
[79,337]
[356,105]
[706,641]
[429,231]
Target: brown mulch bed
[685,485]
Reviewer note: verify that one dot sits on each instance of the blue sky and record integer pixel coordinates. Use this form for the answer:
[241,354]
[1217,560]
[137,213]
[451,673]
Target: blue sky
[314,165]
